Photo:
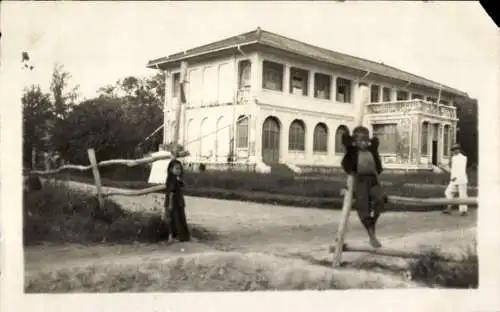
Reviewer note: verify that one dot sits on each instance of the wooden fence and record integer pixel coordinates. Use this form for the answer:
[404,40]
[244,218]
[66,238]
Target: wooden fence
[94,166]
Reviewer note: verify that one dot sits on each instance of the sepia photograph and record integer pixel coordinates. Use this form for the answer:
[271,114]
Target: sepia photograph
[248,147]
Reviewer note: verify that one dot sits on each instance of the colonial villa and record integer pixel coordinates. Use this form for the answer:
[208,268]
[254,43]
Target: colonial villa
[261,100]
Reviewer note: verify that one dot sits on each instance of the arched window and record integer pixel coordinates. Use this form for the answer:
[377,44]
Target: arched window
[339,148]
[242,132]
[204,137]
[424,138]
[320,140]
[296,136]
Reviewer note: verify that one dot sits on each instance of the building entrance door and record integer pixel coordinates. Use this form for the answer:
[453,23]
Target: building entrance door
[434,153]
[271,141]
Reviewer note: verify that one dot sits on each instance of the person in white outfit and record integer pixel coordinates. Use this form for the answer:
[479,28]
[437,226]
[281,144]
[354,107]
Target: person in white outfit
[458,179]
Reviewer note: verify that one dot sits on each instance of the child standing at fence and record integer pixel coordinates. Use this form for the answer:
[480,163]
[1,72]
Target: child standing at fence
[363,161]
[174,214]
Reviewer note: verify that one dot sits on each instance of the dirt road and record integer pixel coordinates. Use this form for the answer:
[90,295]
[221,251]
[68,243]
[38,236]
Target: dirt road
[243,226]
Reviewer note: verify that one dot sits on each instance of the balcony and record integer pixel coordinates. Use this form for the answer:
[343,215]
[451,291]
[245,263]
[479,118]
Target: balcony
[417,106]
[243,96]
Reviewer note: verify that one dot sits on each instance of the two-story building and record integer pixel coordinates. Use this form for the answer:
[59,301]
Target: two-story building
[267,99]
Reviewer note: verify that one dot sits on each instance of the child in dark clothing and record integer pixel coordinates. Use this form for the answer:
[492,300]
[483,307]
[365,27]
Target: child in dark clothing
[174,213]
[363,161]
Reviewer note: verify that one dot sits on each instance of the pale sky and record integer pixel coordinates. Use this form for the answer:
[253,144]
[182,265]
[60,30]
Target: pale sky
[454,43]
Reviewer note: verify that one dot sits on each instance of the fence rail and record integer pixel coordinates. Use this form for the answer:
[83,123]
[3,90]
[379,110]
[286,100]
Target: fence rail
[94,166]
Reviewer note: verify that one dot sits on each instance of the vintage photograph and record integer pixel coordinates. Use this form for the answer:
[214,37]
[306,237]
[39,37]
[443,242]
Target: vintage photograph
[238,146]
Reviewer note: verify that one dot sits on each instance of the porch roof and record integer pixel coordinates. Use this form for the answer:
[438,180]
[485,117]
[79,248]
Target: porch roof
[273,40]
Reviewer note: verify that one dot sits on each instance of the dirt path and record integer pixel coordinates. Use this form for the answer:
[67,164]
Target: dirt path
[243,226]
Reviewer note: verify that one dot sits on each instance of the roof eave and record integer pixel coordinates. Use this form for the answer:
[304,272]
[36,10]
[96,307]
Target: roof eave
[444,88]
[169,60]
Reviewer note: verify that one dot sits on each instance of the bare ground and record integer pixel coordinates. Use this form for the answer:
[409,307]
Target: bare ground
[282,235]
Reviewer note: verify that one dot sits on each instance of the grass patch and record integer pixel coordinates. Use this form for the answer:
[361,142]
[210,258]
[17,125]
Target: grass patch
[432,270]
[59,214]
[276,190]
[399,179]
[213,271]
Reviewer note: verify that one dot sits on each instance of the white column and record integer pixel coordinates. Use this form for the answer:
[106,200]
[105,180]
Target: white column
[309,140]
[256,134]
[310,86]
[440,143]
[333,88]
[394,95]
[166,105]
[256,74]
[286,79]
[285,130]
[430,130]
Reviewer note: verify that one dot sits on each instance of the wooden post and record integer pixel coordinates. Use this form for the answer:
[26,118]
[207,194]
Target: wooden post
[180,103]
[97,177]
[361,103]
[33,158]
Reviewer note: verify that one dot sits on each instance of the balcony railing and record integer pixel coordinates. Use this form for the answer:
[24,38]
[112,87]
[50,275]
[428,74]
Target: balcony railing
[243,96]
[413,106]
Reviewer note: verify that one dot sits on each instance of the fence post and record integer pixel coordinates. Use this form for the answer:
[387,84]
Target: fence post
[362,100]
[33,158]
[97,177]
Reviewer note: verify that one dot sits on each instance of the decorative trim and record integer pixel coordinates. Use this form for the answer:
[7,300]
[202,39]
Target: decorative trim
[276,108]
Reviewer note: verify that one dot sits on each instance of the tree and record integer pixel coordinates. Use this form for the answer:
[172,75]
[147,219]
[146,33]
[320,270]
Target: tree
[467,125]
[37,113]
[63,100]
[143,105]
[97,123]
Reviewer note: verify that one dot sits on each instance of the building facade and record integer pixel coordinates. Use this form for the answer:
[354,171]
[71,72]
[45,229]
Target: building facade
[261,99]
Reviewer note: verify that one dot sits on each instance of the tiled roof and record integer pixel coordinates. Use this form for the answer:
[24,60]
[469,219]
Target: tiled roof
[273,40]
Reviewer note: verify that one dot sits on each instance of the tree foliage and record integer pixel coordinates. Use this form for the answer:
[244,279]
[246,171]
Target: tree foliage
[116,123]
[99,123]
[63,100]
[467,134]
[37,114]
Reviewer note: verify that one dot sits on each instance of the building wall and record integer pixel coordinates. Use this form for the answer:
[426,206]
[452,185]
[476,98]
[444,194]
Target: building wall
[209,120]
[208,132]
[310,103]
[210,84]
[310,120]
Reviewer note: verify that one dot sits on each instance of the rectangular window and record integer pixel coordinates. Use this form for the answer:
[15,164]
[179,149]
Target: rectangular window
[299,79]
[402,96]
[322,85]
[343,90]
[244,71]
[416,96]
[176,84]
[375,94]
[387,135]
[443,102]
[272,76]
[386,94]
[431,99]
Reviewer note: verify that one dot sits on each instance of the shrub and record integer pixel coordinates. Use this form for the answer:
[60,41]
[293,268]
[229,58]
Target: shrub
[435,271]
[57,213]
